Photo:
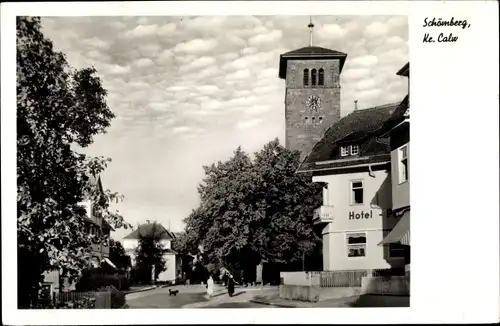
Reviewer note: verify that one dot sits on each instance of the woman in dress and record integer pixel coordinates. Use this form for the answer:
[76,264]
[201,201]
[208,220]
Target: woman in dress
[230,285]
[210,286]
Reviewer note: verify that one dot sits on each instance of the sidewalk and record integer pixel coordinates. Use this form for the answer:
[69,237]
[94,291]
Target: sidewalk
[347,302]
[273,299]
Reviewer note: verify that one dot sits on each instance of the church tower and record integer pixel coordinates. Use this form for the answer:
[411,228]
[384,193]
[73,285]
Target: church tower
[312,97]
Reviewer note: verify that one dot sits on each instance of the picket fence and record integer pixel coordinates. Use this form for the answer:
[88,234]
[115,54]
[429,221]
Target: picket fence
[352,278]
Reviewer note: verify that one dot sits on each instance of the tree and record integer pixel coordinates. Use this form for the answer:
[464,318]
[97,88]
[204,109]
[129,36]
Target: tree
[149,253]
[58,109]
[255,210]
[117,255]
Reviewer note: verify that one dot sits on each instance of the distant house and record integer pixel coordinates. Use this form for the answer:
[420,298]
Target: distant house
[131,242]
[94,224]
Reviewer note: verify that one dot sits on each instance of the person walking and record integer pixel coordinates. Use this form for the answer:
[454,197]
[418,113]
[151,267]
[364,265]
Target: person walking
[230,285]
[210,286]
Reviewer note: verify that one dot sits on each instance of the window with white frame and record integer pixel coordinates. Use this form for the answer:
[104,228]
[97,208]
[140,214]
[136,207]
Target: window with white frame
[356,244]
[349,150]
[344,150]
[403,164]
[357,192]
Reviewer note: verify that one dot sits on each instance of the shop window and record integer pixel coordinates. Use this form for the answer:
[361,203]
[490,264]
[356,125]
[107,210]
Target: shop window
[356,245]
[403,164]
[356,192]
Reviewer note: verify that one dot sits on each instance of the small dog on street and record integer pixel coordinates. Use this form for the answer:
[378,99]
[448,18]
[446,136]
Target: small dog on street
[173,292]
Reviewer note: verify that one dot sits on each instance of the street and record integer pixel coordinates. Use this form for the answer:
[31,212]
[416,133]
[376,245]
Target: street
[189,295]
[160,298]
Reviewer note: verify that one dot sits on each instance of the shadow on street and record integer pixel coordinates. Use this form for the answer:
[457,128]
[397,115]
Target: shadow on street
[164,301]
[381,301]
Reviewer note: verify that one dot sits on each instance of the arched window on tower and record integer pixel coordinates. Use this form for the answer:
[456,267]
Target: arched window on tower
[306,77]
[313,77]
[321,77]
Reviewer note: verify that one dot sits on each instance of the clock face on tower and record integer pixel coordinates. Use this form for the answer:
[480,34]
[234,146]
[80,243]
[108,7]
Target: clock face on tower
[313,102]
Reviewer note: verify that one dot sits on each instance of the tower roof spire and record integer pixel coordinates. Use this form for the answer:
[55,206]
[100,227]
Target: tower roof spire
[311,26]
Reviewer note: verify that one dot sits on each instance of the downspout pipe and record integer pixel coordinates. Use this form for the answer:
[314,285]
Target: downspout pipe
[370,171]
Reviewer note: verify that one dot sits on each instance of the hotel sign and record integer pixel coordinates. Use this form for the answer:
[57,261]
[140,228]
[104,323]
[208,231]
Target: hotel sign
[360,216]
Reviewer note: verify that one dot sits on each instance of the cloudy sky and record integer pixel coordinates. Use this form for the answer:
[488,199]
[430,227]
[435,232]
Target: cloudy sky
[187,91]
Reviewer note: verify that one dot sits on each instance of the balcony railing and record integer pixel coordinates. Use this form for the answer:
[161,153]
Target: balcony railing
[324,214]
[96,248]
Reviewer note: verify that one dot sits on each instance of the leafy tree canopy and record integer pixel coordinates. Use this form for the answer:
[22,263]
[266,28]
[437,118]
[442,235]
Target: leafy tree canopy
[253,210]
[58,109]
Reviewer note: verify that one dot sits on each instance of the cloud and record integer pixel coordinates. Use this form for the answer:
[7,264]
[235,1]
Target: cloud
[165,57]
[248,123]
[96,43]
[240,74]
[376,29]
[208,89]
[355,74]
[270,37]
[181,129]
[167,29]
[196,46]
[332,32]
[364,61]
[365,84]
[115,69]
[144,62]
[198,63]
[142,31]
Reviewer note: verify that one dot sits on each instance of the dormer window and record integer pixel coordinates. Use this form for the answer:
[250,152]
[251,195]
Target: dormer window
[344,150]
[349,150]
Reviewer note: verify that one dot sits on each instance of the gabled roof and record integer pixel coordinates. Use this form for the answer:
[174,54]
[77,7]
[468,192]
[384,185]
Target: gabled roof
[96,181]
[363,124]
[405,71]
[149,229]
[309,53]
[396,118]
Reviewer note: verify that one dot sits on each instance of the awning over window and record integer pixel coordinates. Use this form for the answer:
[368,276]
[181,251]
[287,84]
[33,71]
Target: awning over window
[400,233]
[107,261]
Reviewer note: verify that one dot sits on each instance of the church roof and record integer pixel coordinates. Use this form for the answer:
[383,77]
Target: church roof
[149,229]
[308,53]
[366,124]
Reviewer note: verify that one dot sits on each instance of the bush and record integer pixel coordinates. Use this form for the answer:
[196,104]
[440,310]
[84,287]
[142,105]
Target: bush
[92,282]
